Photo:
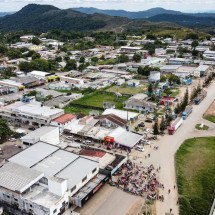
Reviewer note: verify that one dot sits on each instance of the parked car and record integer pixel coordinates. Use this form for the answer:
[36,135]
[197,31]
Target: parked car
[147,142]
[12,139]
[32,128]
[147,130]
[139,148]
[149,120]
[69,138]
[142,124]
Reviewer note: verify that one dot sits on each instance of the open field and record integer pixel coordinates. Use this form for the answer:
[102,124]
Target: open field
[94,101]
[196,175]
[127,90]
[210,113]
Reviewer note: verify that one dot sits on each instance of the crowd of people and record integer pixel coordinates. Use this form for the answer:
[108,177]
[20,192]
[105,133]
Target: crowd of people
[137,180]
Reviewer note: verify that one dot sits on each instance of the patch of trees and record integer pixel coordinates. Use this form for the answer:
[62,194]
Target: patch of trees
[180,107]
[5,131]
[145,71]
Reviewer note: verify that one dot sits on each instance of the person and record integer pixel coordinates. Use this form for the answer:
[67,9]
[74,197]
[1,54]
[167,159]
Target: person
[169,191]
[177,202]
[174,186]
[170,210]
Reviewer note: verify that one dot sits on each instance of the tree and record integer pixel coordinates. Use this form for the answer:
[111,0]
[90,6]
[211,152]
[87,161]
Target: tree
[155,128]
[94,60]
[194,44]
[123,58]
[14,53]
[36,56]
[162,125]
[71,65]
[173,79]
[168,91]
[36,41]
[5,131]
[151,37]
[137,57]
[150,89]
[82,60]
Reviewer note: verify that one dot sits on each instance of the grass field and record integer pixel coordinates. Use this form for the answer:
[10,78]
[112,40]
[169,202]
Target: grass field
[128,90]
[195,169]
[94,100]
[210,118]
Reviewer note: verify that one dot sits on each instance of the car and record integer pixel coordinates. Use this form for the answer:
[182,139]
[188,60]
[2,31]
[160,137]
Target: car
[12,139]
[149,120]
[69,138]
[147,142]
[147,130]
[142,124]
[32,128]
[139,148]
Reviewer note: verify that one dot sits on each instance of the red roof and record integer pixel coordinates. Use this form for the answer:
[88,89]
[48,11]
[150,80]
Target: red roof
[92,153]
[64,118]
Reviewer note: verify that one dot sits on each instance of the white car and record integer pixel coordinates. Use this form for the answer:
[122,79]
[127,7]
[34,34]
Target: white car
[139,148]
[87,141]
[147,130]
[69,138]
[147,142]
[12,139]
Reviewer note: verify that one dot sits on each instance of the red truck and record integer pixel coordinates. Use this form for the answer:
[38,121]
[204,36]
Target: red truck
[175,125]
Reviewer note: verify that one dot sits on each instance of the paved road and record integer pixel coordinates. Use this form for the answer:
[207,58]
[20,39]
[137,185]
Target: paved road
[168,146]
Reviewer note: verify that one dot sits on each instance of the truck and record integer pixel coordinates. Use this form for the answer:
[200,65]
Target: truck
[175,125]
[200,97]
[188,110]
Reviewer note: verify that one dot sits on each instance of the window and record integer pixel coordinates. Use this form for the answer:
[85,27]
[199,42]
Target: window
[16,200]
[94,170]
[84,179]
[73,189]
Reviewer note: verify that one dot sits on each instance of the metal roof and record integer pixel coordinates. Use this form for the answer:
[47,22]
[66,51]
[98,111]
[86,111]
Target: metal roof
[77,170]
[18,178]
[55,162]
[33,154]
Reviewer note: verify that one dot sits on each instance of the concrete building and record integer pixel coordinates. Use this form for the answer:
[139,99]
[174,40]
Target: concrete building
[155,76]
[33,113]
[49,77]
[48,134]
[180,61]
[201,70]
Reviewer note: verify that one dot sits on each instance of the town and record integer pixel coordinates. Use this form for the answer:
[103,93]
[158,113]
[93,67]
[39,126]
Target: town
[86,123]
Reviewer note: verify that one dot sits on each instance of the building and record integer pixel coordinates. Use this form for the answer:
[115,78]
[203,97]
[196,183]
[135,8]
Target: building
[48,134]
[33,113]
[63,120]
[169,69]
[180,61]
[184,71]
[29,82]
[22,191]
[133,83]
[129,49]
[138,102]
[209,55]
[53,173]
[112,121]
[10,83]
[155,76]
[49,77]
[201,70]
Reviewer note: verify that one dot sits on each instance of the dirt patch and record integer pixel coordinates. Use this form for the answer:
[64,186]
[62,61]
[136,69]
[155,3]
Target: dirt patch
[211,110]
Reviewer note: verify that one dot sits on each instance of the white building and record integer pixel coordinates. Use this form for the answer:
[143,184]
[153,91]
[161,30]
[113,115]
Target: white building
[201,70]
[209,55]
[155,76]
[48,134]
[33,113]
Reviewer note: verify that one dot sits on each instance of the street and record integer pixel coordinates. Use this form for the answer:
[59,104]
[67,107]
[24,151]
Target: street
[168,146]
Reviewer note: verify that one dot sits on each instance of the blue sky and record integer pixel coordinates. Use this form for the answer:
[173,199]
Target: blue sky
[131,5]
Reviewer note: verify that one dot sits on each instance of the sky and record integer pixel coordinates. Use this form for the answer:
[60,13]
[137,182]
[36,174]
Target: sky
[130,5]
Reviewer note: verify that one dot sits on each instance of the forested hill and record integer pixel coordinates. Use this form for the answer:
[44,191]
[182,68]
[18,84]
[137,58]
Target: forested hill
[46,17]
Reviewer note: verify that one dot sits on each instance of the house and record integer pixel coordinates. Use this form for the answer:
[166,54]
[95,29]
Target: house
[15,85]
[29,82]
[112,121]
[167,100]
[209,55]
[201,70]
[169,69]
[138,102]
[155,76]
[63,120]
[184,71]
[180,61]
[133,83]
[129,49]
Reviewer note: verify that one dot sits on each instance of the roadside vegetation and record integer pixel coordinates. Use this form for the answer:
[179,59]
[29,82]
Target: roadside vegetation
[210,118]
[196,175]
[199,127]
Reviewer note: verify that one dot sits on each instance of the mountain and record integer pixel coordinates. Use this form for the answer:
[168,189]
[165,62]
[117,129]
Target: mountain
[2,14]
[128,14]
[184,20]
[47,17]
